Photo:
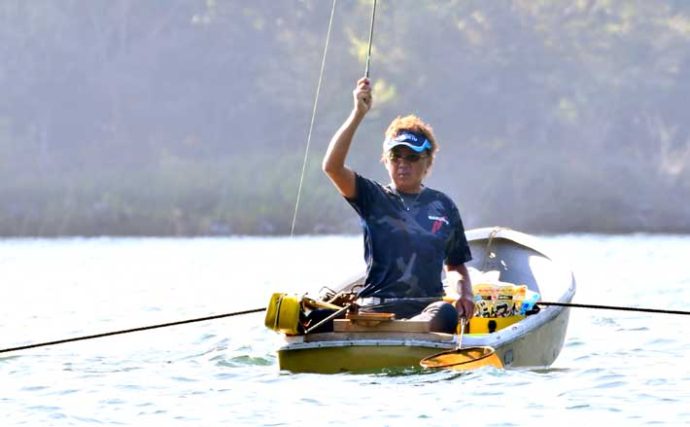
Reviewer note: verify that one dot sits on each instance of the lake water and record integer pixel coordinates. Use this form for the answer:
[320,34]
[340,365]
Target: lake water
[616,368]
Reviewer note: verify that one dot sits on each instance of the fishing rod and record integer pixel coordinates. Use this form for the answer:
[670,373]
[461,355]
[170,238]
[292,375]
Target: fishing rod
[311,123]
[259,310]
[371,39]
[614,307]
[327,319]
[127,331]
[316,102]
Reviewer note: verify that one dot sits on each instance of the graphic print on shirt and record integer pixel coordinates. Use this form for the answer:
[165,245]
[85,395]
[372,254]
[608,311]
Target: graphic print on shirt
[404,257]
[410,280]
[436,213]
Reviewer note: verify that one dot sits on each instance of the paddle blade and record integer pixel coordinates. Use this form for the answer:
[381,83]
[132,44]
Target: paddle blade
[463,359]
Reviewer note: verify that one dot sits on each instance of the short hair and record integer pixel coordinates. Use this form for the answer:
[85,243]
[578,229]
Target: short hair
[414,124]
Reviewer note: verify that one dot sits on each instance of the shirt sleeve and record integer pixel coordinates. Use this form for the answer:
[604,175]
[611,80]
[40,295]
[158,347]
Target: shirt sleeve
[364,194]
[457,249]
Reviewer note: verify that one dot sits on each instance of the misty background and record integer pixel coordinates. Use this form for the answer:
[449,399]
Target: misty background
[190,117]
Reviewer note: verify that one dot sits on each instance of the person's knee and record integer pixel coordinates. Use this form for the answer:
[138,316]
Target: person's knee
[443,317]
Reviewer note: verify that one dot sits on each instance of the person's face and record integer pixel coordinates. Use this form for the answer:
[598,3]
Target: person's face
[407,168]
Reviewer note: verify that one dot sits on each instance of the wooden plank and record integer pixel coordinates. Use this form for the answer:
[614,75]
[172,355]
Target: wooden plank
[370,316]
[412,326]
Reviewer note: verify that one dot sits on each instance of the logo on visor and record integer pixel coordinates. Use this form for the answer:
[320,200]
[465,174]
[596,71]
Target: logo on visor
[409,139]
[406,137]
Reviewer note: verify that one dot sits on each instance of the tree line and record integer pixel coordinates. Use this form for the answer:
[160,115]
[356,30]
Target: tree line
[190,117]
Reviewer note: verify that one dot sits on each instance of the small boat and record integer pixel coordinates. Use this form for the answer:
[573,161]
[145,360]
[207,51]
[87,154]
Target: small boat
[371,342]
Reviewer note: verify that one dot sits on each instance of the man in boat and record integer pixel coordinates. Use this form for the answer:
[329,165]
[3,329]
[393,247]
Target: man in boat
[410,231]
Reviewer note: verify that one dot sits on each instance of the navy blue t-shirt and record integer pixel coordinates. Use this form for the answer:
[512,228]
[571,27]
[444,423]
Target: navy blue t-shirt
[407,239]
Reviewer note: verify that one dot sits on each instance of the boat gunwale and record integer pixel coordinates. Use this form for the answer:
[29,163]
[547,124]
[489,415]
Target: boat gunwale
[531,323]
[372,342]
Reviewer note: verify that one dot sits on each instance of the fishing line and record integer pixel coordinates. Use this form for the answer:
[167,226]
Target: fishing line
[316,101]
[294,217]
[127,331]
[311,124]
[615,307]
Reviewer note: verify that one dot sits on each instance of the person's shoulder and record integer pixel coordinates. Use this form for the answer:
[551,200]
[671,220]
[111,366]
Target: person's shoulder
[369,186]
[368,181]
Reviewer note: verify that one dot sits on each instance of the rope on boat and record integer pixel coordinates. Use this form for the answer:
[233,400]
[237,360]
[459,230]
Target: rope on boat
[126,331]
[489,254]
[311,124]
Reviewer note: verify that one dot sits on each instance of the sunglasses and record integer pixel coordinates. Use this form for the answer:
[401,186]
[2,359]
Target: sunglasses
[412,158]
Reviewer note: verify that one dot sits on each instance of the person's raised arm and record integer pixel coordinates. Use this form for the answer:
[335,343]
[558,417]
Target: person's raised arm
[334,161]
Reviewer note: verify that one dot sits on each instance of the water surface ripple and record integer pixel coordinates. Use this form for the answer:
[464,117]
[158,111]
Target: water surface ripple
[616,368]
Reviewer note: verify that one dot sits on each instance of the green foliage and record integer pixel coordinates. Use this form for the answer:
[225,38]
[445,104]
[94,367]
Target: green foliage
[178,117]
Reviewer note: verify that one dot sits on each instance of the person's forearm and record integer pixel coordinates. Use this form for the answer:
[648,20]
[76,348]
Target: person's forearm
[461,276]
[344,179]
[465,282]
[334,160]
[465,303]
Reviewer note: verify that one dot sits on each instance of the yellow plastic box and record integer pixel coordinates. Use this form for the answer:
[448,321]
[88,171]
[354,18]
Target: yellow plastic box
[487,325]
